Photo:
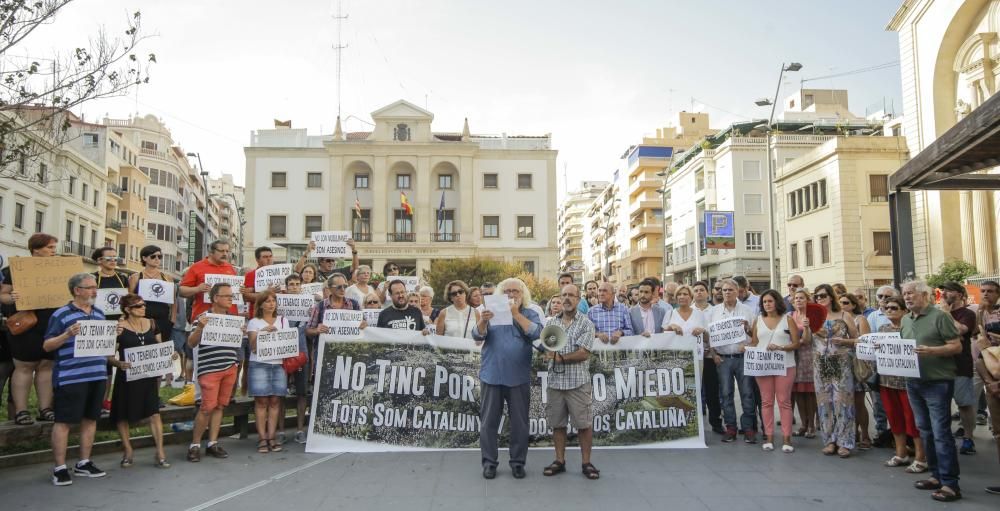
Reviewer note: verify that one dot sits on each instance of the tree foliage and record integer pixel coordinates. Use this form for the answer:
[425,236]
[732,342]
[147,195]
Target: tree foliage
[477,270]
[955,270]
[38,93]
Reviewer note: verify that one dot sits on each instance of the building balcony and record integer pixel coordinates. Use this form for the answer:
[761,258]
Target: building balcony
[72,247]
[400,237]
[361,236]
[646,228]
[115,190]
[113,225]
[640,185]
[646,253]
[445,237]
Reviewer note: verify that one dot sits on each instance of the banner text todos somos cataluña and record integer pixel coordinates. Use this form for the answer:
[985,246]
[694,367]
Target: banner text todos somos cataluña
[393,390]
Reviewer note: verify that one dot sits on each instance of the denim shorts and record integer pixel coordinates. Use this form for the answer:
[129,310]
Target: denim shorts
[267,380]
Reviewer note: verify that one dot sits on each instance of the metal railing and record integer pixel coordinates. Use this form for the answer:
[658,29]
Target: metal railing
[72,247]
[115,189]
[113,224]
[361,236]
[445,237]
[398,237]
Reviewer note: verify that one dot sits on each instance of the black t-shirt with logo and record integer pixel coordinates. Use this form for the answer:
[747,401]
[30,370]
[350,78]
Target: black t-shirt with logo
[409,318]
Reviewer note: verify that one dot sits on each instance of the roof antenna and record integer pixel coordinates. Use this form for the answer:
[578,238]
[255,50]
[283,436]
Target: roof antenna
[339,48]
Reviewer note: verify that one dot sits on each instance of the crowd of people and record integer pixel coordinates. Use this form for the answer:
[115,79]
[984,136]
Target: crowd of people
[824,392]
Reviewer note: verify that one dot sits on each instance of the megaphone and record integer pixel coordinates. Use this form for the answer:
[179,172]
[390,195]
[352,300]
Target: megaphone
[553,338]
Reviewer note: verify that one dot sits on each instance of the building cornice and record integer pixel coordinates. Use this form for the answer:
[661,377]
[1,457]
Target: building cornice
[899,16]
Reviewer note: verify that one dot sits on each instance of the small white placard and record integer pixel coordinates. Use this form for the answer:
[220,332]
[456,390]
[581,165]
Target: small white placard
[96,339]
[149,361]
[223,330]
[153,290]
[235,281]
[272,275]
[277,345]
[108,300]
[331,244]
[897,357]
[762,362]
[295,307]
[726,331]
[344,324]
[499,305]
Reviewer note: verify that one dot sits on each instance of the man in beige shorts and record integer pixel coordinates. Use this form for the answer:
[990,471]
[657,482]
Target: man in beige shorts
[569,391]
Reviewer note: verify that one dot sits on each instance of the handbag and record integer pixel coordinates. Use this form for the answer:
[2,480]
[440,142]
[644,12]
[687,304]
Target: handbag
[862,369]
[991,358]
[293,364]
[21,322]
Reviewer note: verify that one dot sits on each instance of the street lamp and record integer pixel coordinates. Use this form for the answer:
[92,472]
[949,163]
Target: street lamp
[607,229]
[772,261]
[204,180]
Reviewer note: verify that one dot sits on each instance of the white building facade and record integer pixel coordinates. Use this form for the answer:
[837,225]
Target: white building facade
[498,192]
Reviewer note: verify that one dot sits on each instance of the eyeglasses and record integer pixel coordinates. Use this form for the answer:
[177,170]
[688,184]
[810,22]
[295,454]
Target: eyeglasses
[509,291]
[892,308]
[371,302]
[338,287]
[457,292]
[86,287]
[883,297]
[821,296]
[155,256]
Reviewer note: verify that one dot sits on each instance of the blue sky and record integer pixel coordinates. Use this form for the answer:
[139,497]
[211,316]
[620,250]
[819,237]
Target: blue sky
[597,75]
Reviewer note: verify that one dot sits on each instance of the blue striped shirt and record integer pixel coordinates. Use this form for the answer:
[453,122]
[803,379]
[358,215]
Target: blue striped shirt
[608,320]
[69,370]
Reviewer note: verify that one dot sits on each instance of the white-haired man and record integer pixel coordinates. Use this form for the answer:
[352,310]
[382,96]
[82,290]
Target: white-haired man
[506,377]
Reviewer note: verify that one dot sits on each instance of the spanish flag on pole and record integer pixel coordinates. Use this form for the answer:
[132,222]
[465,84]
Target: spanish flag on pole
[405,204]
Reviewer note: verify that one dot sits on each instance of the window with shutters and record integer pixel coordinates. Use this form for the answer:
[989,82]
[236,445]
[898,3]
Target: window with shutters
[824,249]
[279,180]
[882,241]
[793,256]
[878,185]
[277,226]
[809,253]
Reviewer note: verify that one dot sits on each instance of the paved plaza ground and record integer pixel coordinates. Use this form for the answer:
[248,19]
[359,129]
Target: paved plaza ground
[731,477]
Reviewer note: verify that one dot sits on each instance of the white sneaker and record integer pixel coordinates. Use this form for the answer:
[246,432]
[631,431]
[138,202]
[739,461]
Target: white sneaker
[768,446]
[787,448]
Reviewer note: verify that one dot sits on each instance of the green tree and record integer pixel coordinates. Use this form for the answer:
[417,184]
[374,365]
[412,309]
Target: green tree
[38,92]
[955,270]
[475,271]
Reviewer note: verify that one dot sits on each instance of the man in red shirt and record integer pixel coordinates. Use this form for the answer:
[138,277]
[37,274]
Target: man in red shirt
[193,284]
[264,257]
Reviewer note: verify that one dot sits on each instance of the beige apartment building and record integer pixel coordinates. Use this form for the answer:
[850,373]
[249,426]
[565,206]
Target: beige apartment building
[471,195]
[571,218]
[833,211]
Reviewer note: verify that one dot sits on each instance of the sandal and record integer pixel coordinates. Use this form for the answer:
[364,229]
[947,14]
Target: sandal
[946,494]
[810,434]
[47,415]
[161,463]
[591,472]
[844,452]
[126,462]
[864,445]
[23,418]
[830,450]
[917,467]
[927,484]
[556,467]
[799,432]
[896,461]
[262,446]
[274,446]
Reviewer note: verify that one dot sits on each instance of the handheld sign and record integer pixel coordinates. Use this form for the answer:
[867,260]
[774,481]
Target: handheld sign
[865,348]
[725,332]
[331,244]
[153,290]
[499,305]
[150,361]
[412,283]
[295,307]
[273,275]
[96,339]
[40,282]
[223,330]
[344,324]
[234,281]
[312,289]
[277,345]
[371,316]
[108,300]
[761,362]
[896,357]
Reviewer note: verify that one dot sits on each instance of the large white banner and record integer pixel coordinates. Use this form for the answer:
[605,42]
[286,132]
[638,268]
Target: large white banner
[396,390]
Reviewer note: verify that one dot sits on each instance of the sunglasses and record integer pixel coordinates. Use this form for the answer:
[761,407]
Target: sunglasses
[892,308]
[456,293]
[338,287]
[155,256]
[846,302]
[138,306]
[821,296]
[108,259]
[393,269]
[371,302]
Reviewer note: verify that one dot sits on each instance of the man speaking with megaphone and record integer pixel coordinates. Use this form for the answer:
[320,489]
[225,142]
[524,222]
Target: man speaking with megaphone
[568,339]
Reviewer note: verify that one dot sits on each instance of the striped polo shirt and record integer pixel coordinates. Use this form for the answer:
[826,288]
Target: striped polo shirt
[69,370]
[212,359]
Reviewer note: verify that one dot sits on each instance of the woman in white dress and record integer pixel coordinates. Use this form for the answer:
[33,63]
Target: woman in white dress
[686,319]
[458,319]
